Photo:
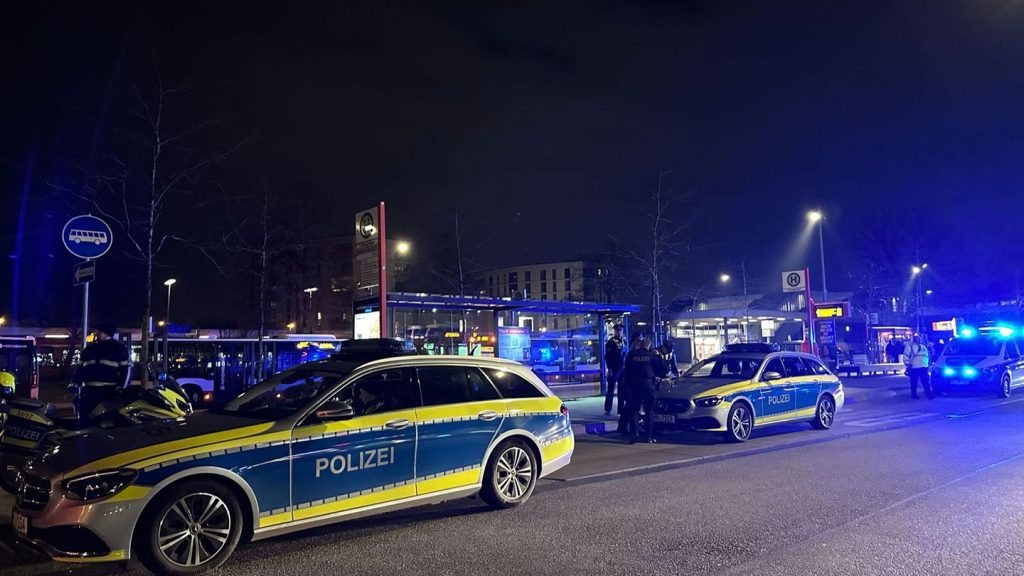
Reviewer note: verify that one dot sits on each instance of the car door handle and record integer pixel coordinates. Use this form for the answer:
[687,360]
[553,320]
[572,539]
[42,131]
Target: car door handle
[487,415]
[398,424]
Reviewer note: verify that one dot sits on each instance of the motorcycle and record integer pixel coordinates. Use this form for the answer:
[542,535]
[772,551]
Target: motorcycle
[33,427]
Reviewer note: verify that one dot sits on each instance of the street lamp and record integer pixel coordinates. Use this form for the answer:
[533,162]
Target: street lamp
[403,247]
[166,324]
[309,323]
[915,272]
[3,320]
[722,279]
[816,217]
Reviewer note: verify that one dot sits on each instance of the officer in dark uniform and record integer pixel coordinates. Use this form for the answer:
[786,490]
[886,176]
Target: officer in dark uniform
[614,352]
[103,369]
[667,360]
[639,377]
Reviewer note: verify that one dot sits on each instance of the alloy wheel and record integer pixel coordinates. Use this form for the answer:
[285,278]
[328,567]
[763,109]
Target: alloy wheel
[741,422]
[194,529]
[514,473]
[826,412]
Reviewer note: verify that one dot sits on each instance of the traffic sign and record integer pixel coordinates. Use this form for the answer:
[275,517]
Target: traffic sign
[87,236]
[85,272]
[794,281]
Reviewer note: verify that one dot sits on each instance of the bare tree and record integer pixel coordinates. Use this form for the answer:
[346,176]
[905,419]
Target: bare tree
[657,251]
[262,237]
[153,167]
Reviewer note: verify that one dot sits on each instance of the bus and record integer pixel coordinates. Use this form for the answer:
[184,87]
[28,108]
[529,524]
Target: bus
[219,368]
[18,356]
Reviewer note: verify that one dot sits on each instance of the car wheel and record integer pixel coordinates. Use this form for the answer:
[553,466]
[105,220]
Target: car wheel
[1005,386]
[511,475]
[740,423]
[825,414]
[190,529]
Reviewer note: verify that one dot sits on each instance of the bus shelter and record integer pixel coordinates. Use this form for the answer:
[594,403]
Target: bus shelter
[561,341]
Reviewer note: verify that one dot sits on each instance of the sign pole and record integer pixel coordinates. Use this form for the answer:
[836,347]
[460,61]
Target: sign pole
[810,310]
[385,331]
[85,313]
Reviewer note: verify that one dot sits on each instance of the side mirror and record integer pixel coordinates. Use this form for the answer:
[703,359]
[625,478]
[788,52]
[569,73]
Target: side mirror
[769,376]
[332,411]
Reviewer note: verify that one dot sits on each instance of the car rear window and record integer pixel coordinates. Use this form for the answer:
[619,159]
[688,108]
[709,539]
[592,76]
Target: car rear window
[816,367]
[512,385]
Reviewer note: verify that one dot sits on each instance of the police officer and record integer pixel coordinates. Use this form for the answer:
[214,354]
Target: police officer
[614,352]
[666,356]
[103,369]
[639,377]
[917,360]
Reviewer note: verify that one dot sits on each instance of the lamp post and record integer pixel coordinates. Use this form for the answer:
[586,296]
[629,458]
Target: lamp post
[723,279]
[167,320]
[309,322]
[816,217]
[916,271]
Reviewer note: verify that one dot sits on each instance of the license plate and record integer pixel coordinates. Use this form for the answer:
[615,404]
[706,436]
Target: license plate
[665,418]
[20,524]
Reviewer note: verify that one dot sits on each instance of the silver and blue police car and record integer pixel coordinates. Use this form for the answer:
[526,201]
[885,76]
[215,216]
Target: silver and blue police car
[321,443]
[750,385]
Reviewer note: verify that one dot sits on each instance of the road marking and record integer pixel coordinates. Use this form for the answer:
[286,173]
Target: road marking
[890,419]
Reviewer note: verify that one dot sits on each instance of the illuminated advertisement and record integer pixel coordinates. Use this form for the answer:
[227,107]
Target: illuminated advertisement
[367,325]
[514,343]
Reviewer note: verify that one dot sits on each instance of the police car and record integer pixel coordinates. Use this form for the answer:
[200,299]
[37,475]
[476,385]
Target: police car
[750,385]
[323,442]
[988,357]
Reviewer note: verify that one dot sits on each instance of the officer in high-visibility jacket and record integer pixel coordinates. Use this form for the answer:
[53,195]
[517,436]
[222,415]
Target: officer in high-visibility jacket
[103,369]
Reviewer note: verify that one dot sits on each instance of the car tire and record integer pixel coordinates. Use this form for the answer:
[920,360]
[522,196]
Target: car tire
[199,523]
[824,413]
[1005,386]
[740,422]
[510,476]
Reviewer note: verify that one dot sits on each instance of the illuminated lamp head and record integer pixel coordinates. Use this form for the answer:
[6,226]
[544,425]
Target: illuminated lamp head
[967,332]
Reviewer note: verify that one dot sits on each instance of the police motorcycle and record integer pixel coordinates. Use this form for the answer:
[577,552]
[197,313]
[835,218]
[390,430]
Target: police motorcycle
[33,427]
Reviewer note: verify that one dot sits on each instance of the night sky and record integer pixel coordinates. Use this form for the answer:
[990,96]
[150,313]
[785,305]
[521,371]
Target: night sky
[546,124]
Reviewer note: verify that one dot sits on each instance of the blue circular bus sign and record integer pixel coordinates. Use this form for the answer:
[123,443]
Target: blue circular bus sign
[87,237]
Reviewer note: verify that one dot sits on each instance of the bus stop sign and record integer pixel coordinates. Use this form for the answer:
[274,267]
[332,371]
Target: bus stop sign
[87,237]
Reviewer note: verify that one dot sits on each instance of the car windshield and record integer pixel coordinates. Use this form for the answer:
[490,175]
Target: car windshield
[979,346]
[284,394]
[726,366]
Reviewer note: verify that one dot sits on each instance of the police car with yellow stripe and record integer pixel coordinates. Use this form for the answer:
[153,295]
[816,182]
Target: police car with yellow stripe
[323,442]
[750,385]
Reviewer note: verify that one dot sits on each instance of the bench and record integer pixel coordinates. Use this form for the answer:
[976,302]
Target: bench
[861,366]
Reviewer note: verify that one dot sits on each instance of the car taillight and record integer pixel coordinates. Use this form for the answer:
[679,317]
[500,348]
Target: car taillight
[564,410]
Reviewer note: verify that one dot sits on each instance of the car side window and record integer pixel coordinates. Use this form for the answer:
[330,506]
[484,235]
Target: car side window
[815,367]
[774,365]
[382,391]
[453,385]
[794,367]
[512,385]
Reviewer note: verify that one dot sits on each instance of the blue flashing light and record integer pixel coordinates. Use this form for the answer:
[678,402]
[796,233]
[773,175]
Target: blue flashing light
[1005,331]
[947,371]
[970,371]
[967,332]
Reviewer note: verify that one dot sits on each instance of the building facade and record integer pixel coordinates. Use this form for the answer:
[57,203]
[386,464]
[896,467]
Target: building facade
[564,280]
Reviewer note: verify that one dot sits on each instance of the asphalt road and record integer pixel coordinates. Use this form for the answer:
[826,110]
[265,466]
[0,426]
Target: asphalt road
[934,495]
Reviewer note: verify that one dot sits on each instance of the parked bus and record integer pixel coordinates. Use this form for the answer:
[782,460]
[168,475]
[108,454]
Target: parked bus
[18,356]
[224,367]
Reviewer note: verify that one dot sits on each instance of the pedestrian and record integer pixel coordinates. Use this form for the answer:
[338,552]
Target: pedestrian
[899,349]
[639,377]
[103,369]
[614,354]
[890,352]
[665,364]
[917,362]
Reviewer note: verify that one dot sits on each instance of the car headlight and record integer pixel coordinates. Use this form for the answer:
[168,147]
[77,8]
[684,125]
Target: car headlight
[708,401]
[99,484]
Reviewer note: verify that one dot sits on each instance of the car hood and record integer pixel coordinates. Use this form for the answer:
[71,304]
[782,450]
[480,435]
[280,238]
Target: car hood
[122,447]
[694,387]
